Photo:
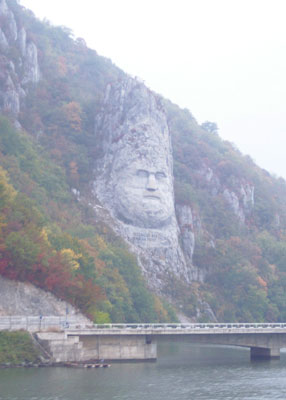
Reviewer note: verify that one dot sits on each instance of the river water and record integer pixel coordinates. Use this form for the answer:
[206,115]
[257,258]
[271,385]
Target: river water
[182,372]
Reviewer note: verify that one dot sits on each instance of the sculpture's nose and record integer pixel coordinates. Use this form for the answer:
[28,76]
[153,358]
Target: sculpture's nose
[151,183]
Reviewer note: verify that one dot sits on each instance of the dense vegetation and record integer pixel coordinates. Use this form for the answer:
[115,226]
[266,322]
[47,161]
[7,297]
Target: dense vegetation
[17,348]
[43,240]
[50,238]
[245,262]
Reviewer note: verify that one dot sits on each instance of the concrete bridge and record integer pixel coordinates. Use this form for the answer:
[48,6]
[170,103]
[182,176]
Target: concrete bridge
[139,341]
[66,339]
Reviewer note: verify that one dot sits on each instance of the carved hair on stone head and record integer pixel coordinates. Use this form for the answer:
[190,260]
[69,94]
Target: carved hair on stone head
[135,138]
[132,117]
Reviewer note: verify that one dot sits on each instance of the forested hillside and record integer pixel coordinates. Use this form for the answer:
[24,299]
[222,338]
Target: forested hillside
[47,237]
[239,222]
[49,234]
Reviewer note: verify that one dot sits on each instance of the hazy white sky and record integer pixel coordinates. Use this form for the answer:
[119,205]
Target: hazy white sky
[224,60]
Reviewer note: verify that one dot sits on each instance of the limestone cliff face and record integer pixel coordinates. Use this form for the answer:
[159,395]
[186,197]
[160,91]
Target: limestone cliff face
[241,201]
[134,182]
[17,298]
[20,70]
[239,197]
[185,220]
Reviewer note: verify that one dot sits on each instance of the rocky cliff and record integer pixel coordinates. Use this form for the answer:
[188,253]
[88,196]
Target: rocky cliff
[206,224]
[18,298]
[134,182]
[239,195]
[18,62]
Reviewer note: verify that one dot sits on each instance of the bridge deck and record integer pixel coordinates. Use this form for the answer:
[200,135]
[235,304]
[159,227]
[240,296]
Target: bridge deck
[178,329]
[71,325]
[69,338]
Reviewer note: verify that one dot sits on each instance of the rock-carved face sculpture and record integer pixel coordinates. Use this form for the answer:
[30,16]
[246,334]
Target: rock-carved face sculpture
[139,183]
[144,193]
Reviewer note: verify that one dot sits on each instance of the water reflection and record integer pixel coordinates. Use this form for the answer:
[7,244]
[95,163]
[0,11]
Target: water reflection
[184,372]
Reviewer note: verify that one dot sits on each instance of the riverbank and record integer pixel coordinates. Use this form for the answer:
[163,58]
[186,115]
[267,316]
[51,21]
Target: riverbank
[25,364]
[183,371]
[17,349]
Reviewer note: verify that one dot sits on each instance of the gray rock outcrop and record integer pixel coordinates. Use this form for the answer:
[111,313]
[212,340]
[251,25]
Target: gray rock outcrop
[11,97]
[22,40]
[185,220]
[240,201]
[3,8]
[31,66]
[18,298]
[233,201]
[3,41]
[134,182]
[239,197]
[13,81]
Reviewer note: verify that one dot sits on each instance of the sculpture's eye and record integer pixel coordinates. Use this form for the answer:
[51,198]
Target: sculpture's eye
[142,173]
[160,175]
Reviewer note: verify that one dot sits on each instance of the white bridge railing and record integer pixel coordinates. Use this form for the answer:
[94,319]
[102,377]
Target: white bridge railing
[188,326]
[34,323]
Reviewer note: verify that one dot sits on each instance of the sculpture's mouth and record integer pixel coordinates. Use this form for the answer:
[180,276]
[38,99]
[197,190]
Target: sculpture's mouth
[152,197]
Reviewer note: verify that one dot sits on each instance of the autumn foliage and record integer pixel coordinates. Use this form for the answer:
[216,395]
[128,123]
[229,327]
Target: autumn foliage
[101,279]
[48,232]
[27,254]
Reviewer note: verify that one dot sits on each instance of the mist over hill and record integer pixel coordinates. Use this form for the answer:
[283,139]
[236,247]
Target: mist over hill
[220,247]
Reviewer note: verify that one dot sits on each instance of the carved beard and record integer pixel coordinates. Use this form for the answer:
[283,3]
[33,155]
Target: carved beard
[144,215]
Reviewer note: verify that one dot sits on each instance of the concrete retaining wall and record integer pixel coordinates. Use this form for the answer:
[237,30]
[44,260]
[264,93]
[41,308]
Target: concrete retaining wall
[38,323]
[84,348]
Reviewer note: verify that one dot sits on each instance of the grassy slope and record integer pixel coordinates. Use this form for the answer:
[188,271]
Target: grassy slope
[17,348]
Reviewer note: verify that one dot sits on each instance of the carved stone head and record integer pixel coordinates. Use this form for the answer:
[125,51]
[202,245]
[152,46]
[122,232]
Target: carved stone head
[135,177]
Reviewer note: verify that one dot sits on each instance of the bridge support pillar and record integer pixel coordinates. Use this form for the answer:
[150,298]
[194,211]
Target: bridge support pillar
[119,347]
[260,353]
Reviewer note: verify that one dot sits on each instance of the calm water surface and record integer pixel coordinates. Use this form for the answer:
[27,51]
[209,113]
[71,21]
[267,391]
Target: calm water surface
[184,372]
